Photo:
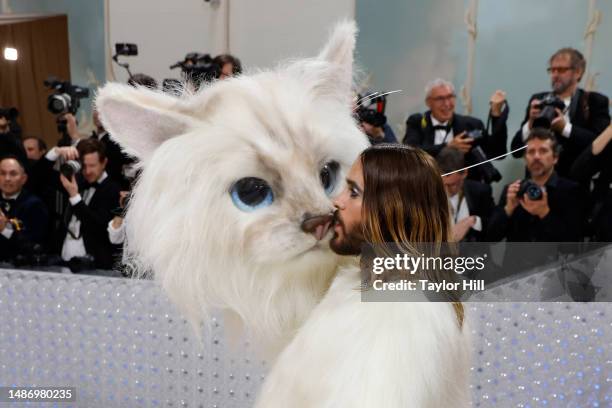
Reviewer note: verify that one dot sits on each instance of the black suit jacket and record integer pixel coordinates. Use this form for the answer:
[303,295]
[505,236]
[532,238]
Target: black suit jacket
[589,114]
[420,133]
[479,199]
[94,221]
[562,224]
[33,215]
[583,169]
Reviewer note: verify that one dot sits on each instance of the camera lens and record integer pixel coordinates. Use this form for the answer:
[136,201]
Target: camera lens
[70,168]
[58,104]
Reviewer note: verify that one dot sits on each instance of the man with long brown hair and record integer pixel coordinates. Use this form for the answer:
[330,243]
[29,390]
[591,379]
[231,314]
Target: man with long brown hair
[355,353]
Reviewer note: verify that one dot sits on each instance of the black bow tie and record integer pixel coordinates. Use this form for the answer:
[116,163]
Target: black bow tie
[445,128]
[87,185]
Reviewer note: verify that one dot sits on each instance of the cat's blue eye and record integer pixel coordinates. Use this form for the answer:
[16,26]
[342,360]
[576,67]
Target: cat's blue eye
[251,193]
[329,176]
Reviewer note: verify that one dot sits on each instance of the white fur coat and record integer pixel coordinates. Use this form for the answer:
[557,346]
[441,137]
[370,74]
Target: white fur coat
[355,354]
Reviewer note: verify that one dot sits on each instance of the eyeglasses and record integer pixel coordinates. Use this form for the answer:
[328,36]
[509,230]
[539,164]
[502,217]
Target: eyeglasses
[443,98]
[558,70]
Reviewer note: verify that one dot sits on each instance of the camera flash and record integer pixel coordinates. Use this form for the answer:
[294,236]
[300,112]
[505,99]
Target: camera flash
[10,54]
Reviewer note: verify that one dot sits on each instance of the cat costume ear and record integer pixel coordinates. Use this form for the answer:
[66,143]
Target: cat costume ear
[339,51]
[139,119]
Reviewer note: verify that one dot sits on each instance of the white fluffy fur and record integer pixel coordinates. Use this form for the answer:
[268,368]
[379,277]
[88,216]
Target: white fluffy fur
[355,354]
[282,126]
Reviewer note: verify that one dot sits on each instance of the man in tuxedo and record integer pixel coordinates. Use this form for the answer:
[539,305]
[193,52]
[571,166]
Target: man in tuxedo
[23,216]
[586,114]
[471,202]
[91,204]
[440,126]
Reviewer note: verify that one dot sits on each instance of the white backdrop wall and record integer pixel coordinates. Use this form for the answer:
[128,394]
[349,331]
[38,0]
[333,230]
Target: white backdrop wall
[265,31]
[164,31]
[259,33]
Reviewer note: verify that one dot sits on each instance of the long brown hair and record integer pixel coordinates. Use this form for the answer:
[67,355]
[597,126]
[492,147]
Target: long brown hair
[405,205]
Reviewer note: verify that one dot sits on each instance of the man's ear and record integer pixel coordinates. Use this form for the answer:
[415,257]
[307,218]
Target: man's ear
[140,119]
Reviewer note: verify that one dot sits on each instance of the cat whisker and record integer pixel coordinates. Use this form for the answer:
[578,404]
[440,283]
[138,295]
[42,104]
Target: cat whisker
[360,100]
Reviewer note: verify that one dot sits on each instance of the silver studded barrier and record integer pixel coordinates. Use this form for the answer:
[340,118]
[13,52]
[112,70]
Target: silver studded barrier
[122,344]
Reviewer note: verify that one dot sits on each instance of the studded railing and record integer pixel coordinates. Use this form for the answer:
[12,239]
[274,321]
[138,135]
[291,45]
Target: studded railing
[121,344]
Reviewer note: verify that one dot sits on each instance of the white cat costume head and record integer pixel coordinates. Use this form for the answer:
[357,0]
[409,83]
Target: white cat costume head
[229,176]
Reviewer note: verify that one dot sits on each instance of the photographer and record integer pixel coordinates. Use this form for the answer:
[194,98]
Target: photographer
[574,115]
[92,200]
[596,158]
[440,126]
[10,140]
[116,229]
[471,202]
[23,216]
[546,208]
[226,66]
[374,125]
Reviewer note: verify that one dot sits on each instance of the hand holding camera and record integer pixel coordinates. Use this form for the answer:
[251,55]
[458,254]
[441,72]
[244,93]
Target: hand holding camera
[538,207]
[462,142]
[534,111]
[67,152]
[558,124]
[71,125]
[70,185]
[547,113]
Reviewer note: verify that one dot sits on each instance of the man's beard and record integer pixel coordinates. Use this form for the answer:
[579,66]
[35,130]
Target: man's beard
[351,242]
[561,86]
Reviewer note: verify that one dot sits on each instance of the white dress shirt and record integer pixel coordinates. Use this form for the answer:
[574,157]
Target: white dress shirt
[441,136]
[461,213]
[116,235]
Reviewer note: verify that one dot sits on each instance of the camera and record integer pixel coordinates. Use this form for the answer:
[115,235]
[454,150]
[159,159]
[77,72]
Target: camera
[489,172]
[475,134]
[127,49]
[371,109]
[533,191]
[374,118]
[198,68]
[548,112]
[70,168]
[66,97]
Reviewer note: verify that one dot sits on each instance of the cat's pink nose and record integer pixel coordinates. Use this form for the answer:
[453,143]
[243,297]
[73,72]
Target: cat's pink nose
[317,225]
